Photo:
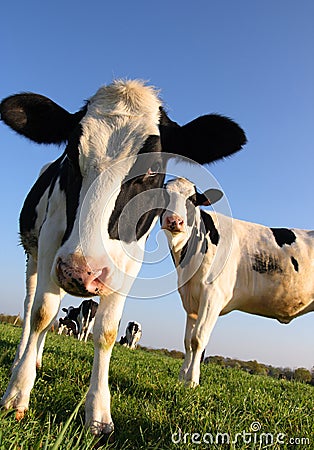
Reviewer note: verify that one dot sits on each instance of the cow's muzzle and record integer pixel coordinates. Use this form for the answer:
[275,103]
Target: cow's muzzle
[76,277]
[173,223]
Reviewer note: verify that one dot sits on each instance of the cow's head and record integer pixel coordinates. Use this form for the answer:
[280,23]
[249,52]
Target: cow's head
[114,148]
[182,215]
[71,313]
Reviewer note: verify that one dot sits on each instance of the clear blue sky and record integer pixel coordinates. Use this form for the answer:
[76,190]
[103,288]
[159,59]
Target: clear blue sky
[250,60]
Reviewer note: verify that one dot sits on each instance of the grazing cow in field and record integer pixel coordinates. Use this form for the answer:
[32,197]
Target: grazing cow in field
[83,316]
[67,325]
[264,271]
[85,221]
[133,334]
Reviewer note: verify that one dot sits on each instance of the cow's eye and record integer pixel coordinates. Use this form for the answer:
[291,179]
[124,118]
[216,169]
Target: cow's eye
[154,169]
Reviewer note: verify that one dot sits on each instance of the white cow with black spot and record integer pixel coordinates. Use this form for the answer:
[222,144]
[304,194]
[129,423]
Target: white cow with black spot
[133,334]
[225,264]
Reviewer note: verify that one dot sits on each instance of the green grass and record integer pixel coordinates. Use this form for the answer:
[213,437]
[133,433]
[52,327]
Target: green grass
[149,405]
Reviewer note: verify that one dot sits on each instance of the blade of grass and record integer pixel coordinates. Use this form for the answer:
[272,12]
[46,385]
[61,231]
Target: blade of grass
[67,423]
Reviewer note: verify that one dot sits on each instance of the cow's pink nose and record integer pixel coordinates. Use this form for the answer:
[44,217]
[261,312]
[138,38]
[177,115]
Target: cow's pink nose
[77,278]
[174,223]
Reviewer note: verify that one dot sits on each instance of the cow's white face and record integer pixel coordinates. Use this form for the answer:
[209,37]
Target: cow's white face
[102,249]
[179,218]
[182,214]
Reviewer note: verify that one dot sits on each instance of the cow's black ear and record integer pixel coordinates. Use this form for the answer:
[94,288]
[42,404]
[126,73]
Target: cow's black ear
[205,139]
[65,310]
[39,118]
[209,197]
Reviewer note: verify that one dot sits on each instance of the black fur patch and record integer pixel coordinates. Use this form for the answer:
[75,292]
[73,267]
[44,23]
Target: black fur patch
[266,264]
[210,227]
[295,264]
[283,236]
[28,214]
[210,137]
[39,118]
[70,183]
[192,246]
[66,171]
[124,221]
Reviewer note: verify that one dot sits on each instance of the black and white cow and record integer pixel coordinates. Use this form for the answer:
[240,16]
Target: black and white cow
[263,271]
[133,334]
[83,316]
[73,225]
[68,326]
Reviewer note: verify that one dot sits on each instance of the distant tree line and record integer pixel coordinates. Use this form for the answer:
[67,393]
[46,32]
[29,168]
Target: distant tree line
[253,367]
[14,320]
[256,368]
[176,354]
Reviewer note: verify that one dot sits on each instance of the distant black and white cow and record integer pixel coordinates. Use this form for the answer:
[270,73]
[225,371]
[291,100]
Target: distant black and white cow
[76,229]
[264,271]
[133,334]
[83,316]
[68,326]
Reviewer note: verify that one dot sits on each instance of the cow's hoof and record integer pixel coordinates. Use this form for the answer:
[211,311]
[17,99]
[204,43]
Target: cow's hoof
[12,400]
[20,413]
[191,384]
[100,428]
[104,440]
[105,431]
[9,405]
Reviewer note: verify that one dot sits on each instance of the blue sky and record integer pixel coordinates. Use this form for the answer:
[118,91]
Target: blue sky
[252,61]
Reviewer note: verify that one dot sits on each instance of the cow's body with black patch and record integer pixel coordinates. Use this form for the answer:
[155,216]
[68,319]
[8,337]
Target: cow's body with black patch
[263,271]
[133,334]
[78,236]
[83,316]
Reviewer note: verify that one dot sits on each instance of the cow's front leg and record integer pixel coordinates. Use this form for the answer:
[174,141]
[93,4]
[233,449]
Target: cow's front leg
[98,415]
[190,323]
[210,305]
[31,283]
[45,308]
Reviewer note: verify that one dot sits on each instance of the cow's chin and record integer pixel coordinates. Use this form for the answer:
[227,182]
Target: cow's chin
[176,239]
[81,292]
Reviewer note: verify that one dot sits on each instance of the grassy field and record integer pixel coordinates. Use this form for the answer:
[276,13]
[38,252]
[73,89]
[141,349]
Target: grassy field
[151,410]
